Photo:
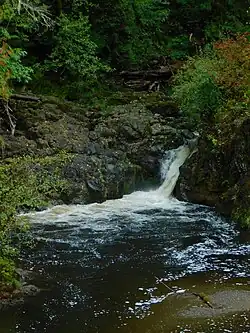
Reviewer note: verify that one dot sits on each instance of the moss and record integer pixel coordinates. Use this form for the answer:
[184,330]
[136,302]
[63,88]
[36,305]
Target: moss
[8,276]
[242,216]
[32,181]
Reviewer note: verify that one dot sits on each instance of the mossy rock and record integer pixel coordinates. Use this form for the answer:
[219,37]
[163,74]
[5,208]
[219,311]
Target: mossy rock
[218,174]
[166,108]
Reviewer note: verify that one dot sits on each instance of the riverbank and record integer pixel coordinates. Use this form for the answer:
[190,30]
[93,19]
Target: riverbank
[218,173]
[11,296]
[229,308]
[213,89]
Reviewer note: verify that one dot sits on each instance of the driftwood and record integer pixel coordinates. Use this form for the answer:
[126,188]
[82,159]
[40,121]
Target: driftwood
[203,298]
[138,84]
[25,98]
[142,85]
[11,117]
[154,74]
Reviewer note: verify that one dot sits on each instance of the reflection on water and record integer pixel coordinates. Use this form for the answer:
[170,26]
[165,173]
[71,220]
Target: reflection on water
[97,265]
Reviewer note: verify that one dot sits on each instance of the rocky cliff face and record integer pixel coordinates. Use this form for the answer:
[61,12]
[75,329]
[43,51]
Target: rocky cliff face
[219,175]
[108,153]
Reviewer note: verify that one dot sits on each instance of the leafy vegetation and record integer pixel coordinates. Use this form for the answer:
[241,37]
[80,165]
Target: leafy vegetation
[11,66]
[216,84]
[26,183]
[68,45]
[214,90]
[196,89]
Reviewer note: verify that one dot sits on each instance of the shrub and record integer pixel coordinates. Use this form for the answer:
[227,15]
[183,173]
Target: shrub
[74,53]
[222,75]
[11,67]
[234,72]
[196,89]
[10,245]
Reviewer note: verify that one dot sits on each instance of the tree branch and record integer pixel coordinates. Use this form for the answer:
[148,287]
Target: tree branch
[37,13]
[11,117]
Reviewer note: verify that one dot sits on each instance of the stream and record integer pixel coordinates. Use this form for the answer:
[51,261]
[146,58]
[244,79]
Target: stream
[130,265]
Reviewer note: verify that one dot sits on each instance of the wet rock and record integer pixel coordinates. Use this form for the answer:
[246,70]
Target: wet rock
[109,152]
[224,302]
[44,129]
[218,175]
[9,302]
[165,108]
[24,275]
[97,178]
[18,296]
[13,297]
[29,290]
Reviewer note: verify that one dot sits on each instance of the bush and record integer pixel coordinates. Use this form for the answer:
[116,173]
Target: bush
[234,72]
[216,81]
[11,68]
[74,53]
[196,89]
[7,273]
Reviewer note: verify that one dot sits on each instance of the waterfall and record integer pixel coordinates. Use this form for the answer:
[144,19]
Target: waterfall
[130,203]
[170,168]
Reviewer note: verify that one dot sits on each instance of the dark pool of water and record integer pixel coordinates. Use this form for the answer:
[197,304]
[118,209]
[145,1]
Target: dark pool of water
[99,274]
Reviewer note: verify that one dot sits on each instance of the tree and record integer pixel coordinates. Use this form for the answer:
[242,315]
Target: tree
[129,33]
[11,67]
[74,52]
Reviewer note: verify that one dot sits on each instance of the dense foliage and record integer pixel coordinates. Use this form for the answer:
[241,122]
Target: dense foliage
[71,42]
[196,89]
[214,90]
[216,84]
[11,67]
[66,47]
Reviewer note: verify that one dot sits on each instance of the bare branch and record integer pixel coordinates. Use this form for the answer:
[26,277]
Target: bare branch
[12,118]
[25,97]
[19,7]
[37,13]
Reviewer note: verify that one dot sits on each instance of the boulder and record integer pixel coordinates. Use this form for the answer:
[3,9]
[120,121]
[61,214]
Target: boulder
[218,174]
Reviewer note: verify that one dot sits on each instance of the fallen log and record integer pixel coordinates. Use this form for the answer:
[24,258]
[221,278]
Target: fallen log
[162,73]
[139,85]
[26,98]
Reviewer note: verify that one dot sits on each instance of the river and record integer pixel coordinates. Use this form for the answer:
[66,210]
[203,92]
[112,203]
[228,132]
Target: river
[129,265]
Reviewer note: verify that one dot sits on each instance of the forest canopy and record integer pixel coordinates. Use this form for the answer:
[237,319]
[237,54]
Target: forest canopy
[74,41]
